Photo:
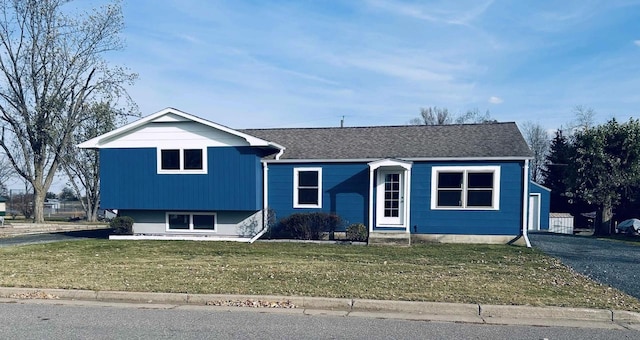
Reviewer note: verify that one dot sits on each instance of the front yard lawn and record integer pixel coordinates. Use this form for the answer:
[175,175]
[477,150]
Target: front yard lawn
[487,274]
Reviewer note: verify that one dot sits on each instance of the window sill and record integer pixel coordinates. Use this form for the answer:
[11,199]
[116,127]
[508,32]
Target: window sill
[299,206]
[467,209]
[182,172]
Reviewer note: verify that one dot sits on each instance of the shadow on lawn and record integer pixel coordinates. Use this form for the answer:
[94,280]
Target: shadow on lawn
[94,234]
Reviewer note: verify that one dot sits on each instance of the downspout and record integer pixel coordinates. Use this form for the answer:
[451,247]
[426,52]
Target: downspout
[265,201]
[525,203]
[279,154]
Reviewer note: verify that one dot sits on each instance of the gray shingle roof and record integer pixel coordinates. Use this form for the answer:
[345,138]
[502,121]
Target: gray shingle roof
[500,140]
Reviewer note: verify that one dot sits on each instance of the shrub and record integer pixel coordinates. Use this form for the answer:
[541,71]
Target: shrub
[308,226]
[122,225]
[357,232]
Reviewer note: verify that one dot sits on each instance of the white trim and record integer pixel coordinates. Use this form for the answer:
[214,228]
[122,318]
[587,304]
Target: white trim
[539,196]
[388,163]
[540,185]
[182,171]
[525,202]
[371,173]
[191,230]
[160,116]
[495,169]
[407,201]
[404,168]
[170,237]
[381,220]
[296,171]
[265,203]
[404,159]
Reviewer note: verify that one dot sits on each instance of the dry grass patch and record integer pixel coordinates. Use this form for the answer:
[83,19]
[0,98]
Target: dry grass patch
[487,274]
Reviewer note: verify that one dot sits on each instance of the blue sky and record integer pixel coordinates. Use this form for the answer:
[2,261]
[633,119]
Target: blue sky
[377,62]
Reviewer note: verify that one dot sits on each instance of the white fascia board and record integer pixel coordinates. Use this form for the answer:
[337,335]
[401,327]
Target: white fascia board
[96,142]
[465,159]
[408,160]
[540,185]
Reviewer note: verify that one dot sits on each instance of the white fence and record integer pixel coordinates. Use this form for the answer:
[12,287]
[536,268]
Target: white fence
[561,223]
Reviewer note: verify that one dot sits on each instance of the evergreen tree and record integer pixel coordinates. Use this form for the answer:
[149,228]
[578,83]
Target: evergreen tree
[555,172]
[604,168]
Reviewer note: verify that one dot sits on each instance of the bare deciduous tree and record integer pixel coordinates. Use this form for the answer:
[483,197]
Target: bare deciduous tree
[441,116]
[51,70]
[584,118]
[538,140]
[433,116]
[475,117]
[82,166]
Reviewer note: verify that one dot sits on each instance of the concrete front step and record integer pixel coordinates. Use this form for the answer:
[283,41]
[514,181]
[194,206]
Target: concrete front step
[390,238]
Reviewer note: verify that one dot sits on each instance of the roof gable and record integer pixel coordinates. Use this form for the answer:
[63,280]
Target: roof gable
[170,126]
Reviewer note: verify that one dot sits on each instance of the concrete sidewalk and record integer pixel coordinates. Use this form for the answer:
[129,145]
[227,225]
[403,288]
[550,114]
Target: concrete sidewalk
[425,311]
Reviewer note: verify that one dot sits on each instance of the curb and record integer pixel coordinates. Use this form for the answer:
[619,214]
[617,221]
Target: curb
[410,310]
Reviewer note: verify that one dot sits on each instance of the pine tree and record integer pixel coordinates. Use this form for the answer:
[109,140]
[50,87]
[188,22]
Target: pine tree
[555,172]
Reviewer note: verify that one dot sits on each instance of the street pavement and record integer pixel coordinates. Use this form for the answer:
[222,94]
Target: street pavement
[43,319]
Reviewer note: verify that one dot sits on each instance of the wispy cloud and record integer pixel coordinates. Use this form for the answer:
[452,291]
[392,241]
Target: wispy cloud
[455,13]
[252,64]
[495,100]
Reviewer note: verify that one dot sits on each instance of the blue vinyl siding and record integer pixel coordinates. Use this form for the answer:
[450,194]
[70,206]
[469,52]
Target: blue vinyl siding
[506,221]
[345,189]
[129,180]
[346,193]
[545,203]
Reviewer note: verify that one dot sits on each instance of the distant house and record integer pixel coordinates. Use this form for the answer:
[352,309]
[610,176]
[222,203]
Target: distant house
[3,206]
[180,175]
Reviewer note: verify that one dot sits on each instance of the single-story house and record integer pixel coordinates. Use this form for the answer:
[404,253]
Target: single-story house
[180,175]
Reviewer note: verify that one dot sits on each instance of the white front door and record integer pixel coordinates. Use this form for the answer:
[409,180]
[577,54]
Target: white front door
[390,197]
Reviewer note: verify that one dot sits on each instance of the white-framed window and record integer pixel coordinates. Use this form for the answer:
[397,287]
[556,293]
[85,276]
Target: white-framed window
[182,160]
[307,187]
[191,221]
[465,187]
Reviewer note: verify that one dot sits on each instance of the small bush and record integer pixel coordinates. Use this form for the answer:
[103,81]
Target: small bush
[308,226]
[357,232]
[122,225]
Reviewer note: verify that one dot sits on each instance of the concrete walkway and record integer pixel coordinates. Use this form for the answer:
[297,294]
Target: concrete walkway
[424,311]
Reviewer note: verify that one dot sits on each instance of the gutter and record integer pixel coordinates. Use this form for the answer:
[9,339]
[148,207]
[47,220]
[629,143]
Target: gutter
[265,200]
[525,204]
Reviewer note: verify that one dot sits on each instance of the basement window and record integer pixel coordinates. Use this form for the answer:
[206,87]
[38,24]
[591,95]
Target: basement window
[191,222]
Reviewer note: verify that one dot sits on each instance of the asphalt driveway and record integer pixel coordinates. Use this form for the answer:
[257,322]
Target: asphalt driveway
[54,237]
[613,263]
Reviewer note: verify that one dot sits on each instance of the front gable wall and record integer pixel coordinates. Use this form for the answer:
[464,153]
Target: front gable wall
[130,180]
[184,134]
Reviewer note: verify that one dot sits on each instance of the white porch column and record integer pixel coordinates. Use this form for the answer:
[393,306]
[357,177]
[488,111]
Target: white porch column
[407,200]
[371,173]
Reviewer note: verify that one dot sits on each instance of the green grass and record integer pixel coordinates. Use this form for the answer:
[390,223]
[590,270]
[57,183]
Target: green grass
[487,274]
